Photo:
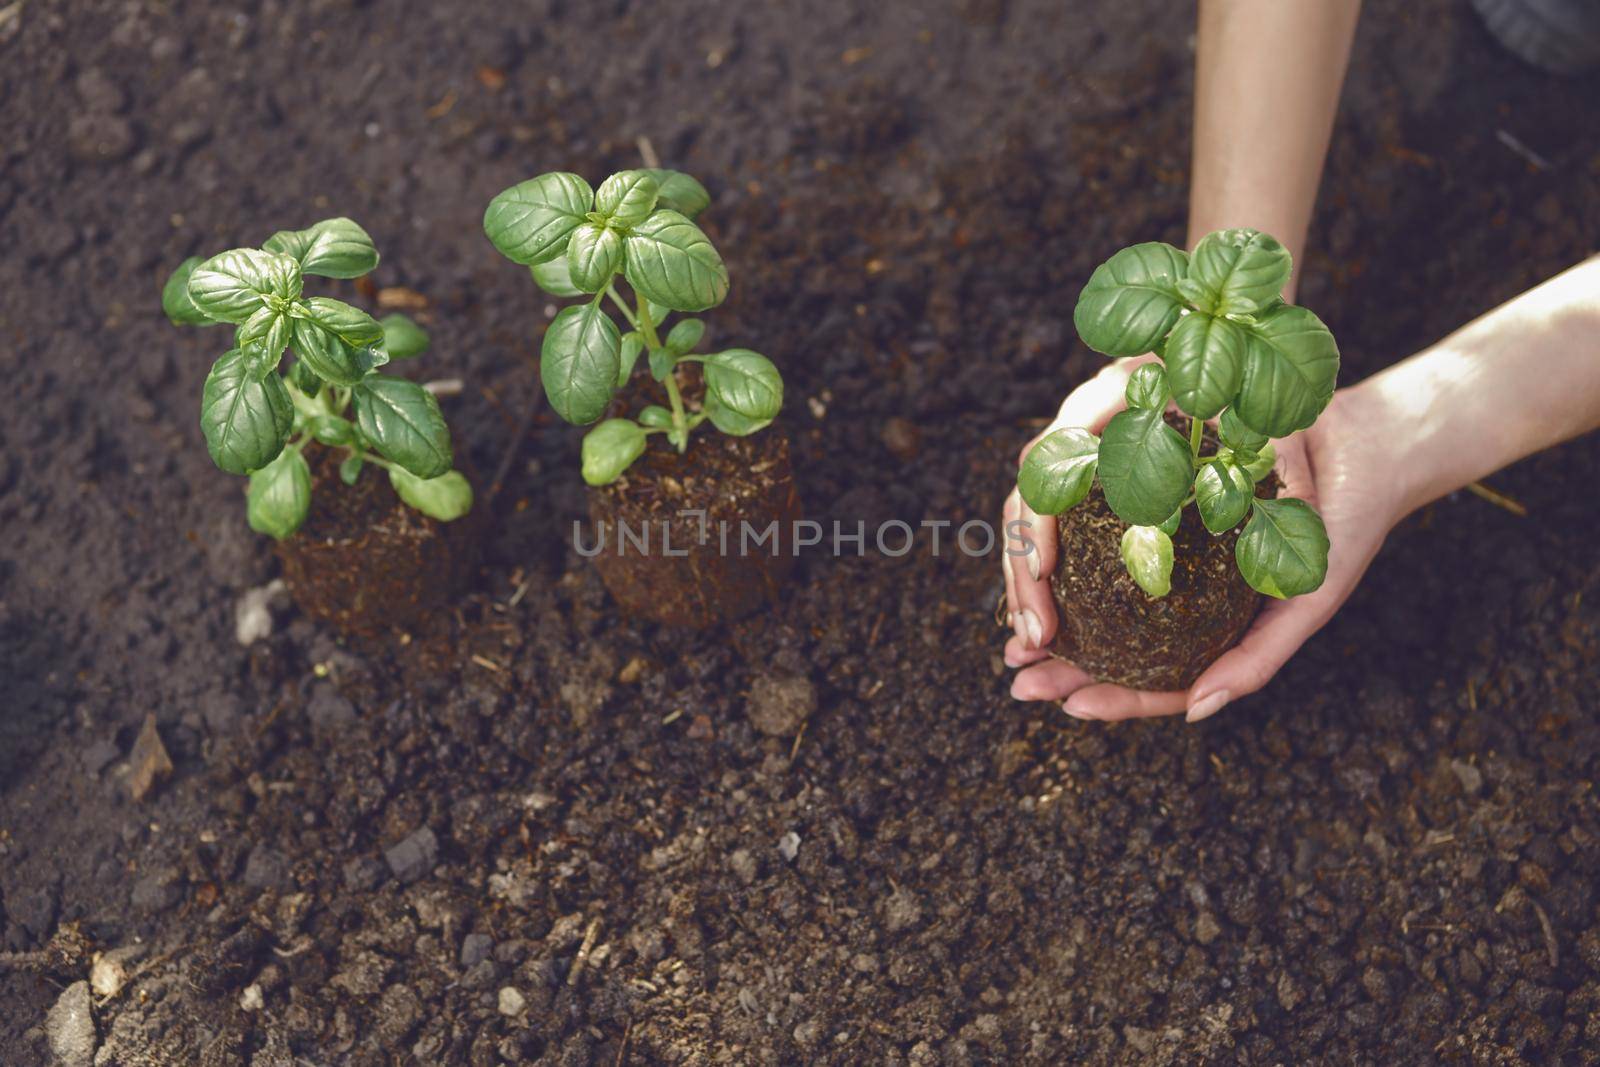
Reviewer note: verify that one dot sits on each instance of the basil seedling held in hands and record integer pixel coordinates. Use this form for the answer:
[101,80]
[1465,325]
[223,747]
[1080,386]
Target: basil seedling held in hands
[638,227]
[1228,347]
[258,422]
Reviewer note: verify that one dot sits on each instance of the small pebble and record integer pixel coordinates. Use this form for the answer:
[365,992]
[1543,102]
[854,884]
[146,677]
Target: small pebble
[789,846]
[511,1002]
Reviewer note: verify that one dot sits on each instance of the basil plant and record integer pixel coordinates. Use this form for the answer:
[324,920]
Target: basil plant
[258,421]
[1229,346]
[637,228]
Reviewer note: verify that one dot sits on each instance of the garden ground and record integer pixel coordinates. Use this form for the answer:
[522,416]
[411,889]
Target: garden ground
[1388,855]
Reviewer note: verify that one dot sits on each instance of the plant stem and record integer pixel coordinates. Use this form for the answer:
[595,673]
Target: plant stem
[680,419]
[1196,429]
[622,305]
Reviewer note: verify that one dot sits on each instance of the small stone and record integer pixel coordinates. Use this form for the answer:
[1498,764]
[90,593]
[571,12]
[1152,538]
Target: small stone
[865,963]
[789,846]
[148,762]
[1470,777]
[251,999]
[414,857]
[100,138]
[510,1002]
[363,873]
[157,890]
[808,1033]
[901,437]
[565,932]
[779,704]
[252,612]
[632,671]
[328,711]
[266,868]
[1206,928]
[475,948]
[902,910]
[109,972]
[1290,992]
[69,1026]
[744,865]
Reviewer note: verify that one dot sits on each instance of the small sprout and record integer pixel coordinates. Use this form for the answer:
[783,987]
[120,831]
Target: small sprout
[638,228]
[1228,346]
[258,421]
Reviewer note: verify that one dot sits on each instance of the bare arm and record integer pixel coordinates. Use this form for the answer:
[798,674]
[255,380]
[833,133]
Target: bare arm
[1267,80]
[1517,379]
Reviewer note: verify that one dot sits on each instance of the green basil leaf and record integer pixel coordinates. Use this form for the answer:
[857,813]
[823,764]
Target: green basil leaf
[1147,387]
[1131,300]
[579,363]
[610,448]
[1241,271]
[627,197]
[230,286]
[332,248]
[268,332]
[1058,472]
[1291,363]
[304,379]
[1260,463]
[1147,553]
[332,430]
[446,498]
[1204,356]
[280,495]
[1237,436]
[1145,469]
[402,338]
[1170,527]
[554,278]
[594,254]
[1283,551]
[532,221]
[1222,492]
[670,261]
[656,417]
[350,468]
[632,346]
[744,391]
[403,421]
[658,312]
[685,335]
[328,357]
[679,192]
[350,324]
[246,421]
[175,299]
[662,360]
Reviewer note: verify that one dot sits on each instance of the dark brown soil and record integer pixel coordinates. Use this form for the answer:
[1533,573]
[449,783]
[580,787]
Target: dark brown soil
[698,569]
[1386,856]
[1119,633]
[365,562]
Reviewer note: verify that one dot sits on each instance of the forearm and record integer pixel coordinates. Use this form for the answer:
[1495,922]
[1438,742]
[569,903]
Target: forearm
[1267,80]
[1518,379]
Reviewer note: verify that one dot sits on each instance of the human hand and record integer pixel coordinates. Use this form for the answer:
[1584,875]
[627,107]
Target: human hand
[1337,466]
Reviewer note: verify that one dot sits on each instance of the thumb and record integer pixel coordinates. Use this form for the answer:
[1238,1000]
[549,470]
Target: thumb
[1279,631]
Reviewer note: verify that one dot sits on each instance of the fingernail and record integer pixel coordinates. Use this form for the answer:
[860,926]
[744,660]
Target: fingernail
[1033,561]
[1074,712]
[1035,635]
[1207,706]
[1019,626]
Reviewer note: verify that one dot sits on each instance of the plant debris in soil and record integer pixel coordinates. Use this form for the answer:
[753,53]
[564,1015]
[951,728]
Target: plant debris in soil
[542,832]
